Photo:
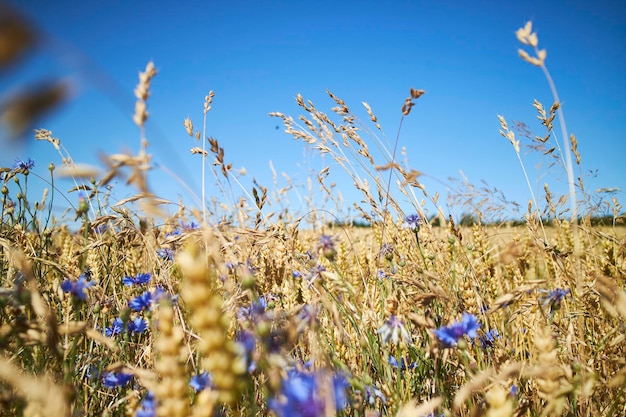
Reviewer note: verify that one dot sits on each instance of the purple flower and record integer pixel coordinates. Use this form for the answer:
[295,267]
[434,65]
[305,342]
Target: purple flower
[141,302]
[371,393]
[254,312]
[145,300]
[393,330]
[489,339]
[138,280]
[315,273]
[20,165]
[301,395]
[402,365]
[327,245]
[413,222]
[554,298]
[386,251]
[137,325]
[450,335]
[116,328]
[166,253]
[147,407]
[200,381]
[77,288]
[112,379]
[247,342]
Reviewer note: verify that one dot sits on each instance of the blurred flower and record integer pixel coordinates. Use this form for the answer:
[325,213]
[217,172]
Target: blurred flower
[112,379]
[371,393]
[554,298]
[137,280]
[147,407]
[306,317]
[412,222]
[327,245]
[137,325]
[145,300]
[450,335]
[315,273]
[247,342]
[116,328]
[77,288]
[200,381]
[386,251]
[22,166]
[392,330]
[254,312]
[400,365]
[489,339]
[301,395]
[165,253]
[141,302]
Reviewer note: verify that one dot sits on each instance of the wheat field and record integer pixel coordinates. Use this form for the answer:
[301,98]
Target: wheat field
[123,310]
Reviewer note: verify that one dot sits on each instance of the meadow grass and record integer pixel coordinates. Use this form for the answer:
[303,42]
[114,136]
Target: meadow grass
[241,310]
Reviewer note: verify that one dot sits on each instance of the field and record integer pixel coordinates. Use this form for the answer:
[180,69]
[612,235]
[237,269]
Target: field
[239,311]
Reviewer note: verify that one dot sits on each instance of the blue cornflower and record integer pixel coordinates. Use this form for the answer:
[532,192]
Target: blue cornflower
[77,288]
[413,222]
[137,280]
[112,379]
[145,300]
[254,312]
[147,407]
[315,273]
[371,393]
[247,342]
[450,335]
[327,245]
[137,325]
[386,251]
[116,328]
[200,381]
[141,302]
[306,317]
[166,253]
[296,274]
[392,330]
[300,396]
[489,339]
[554,298]
[20,165]
[513,391]
[400,365]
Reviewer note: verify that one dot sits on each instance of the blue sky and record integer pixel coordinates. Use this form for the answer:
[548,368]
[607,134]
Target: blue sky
[256,56]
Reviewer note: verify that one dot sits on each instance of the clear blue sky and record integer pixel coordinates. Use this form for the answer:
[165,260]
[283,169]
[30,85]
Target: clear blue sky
[257,56]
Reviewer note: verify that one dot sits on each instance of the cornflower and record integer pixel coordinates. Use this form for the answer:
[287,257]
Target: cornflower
[113,380]
[255,312]
[372,392]
[23,166]
[137,325]
[166,253]
[489,339]
[386,251]
[402,365]
[413,222]
[200,381]
[116,328]
[327,245]
[147,407]
[300,395]
[77,288]
[137,280]
[145,300]
[315,273]
[392,330]
[450,335]
[554,298]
